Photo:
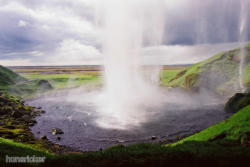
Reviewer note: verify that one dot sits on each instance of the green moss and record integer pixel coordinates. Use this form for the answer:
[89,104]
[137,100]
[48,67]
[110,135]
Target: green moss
[167,75]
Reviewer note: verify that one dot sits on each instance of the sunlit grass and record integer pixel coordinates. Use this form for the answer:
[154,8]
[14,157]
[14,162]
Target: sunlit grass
[66,80]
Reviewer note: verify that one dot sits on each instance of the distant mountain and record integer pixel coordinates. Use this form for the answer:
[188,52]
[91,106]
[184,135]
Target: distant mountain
[219,73]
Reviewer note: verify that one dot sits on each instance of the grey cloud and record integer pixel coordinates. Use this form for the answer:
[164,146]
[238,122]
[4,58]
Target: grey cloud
[49,23]
[209,21]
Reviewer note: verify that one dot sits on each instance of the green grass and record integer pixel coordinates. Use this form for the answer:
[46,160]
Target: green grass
[235,129]
[13,149]
[167,75]
[65,80]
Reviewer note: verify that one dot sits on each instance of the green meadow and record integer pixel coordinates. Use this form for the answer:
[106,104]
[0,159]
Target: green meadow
[60,81]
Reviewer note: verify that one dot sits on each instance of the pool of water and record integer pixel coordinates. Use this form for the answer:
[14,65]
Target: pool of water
[82,132]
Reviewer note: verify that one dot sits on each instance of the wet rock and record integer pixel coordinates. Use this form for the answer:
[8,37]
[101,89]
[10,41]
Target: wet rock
[153,137]
[17,114]
[56,131]
[4,100]
[44,137]
[30,122]
[10,127]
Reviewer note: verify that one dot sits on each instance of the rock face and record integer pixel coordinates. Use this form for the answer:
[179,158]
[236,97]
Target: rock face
[237,102]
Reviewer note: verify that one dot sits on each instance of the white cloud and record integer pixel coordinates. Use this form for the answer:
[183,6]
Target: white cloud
[72,51]
[22,23]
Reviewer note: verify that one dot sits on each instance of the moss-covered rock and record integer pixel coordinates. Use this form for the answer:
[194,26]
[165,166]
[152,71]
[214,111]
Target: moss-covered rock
[237,102]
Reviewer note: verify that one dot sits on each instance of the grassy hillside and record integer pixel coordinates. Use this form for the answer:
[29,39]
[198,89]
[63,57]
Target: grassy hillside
[8,77]
[12,148]
[233,131]
[14,84]
[219,73]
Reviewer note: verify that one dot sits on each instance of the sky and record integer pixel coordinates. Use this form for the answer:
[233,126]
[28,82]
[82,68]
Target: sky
[66,32]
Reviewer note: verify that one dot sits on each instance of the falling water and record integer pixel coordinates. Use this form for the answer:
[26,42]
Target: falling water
[128,24]
[243,38]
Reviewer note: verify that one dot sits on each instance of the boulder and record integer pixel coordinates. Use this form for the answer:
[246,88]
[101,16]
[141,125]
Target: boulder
[44,84]
[44,137]
[153,137]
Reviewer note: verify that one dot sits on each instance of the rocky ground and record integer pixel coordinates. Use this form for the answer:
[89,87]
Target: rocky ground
[16,118]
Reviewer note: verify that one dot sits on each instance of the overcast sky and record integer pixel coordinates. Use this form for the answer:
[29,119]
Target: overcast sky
[60,32]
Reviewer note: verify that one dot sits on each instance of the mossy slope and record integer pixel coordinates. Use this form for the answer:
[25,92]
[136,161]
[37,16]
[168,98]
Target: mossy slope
[219,73]
[14,84]
[8,77]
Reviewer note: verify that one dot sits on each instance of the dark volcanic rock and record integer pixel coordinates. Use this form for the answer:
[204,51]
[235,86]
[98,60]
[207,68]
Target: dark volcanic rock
[237,102]
[17,114]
